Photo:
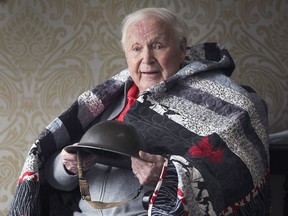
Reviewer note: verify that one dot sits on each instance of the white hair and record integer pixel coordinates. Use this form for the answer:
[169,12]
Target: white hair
[178,25]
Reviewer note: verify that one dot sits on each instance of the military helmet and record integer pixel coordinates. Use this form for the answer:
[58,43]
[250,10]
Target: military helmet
[114,141]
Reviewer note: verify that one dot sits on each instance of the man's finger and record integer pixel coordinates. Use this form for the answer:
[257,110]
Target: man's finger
[150,157]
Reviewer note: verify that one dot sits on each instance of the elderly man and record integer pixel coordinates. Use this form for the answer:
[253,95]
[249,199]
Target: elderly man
[205,143]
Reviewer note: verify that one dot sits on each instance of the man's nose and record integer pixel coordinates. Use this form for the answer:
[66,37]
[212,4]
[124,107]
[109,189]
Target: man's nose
[148,56]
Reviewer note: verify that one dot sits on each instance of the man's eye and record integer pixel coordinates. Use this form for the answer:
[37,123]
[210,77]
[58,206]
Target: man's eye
[157,46]
[136,49]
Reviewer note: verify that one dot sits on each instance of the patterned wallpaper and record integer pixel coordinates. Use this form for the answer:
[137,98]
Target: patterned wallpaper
[53,50]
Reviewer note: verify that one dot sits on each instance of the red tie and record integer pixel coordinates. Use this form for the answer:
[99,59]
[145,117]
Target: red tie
[131,98]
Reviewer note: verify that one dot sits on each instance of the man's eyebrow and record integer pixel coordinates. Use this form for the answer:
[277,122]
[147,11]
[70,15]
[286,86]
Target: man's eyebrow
[159,38]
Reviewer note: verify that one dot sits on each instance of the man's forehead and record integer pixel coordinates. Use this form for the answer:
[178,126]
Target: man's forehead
[149,28]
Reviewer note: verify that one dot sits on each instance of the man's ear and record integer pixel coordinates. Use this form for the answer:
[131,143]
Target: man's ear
[183,48]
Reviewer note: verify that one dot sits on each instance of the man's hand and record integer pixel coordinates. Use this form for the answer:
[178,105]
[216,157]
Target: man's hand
[149,169]
[69,160]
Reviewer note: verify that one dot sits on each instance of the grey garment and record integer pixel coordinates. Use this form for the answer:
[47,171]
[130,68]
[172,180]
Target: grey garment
[113,185]
[107,184]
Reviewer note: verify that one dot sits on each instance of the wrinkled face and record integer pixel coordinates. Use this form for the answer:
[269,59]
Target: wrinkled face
[152,52]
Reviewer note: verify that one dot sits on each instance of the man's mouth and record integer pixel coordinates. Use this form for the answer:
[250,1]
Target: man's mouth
[149,72]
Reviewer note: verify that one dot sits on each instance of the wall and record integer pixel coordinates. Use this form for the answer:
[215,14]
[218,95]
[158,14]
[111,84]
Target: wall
[53,50]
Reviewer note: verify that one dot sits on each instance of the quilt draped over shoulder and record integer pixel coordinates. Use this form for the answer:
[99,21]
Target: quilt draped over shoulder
[213,132]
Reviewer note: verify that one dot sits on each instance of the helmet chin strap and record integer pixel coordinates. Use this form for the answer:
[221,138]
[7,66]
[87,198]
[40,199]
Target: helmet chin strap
[85,193]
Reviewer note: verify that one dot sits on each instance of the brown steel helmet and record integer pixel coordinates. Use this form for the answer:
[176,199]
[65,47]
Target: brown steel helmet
[114,141]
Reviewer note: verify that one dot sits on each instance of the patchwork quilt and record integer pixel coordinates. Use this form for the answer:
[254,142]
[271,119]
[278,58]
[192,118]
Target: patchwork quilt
[213,132]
